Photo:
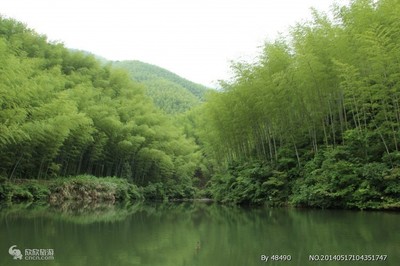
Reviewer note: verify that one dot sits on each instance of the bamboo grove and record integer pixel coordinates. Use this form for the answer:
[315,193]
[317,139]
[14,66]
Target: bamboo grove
[63,113]
[315,122]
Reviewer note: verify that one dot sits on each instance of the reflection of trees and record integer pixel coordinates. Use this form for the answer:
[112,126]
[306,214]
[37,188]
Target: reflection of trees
[344,232]
[168,233]
[82,212]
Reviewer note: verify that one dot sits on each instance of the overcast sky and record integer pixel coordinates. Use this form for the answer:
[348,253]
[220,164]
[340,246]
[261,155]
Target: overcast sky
[194,38]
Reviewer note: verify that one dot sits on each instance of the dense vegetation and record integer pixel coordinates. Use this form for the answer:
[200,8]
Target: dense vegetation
[63,113]
[83,189]
[169,92]
[315,122]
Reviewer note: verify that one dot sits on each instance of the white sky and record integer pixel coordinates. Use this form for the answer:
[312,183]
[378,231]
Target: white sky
[194,38]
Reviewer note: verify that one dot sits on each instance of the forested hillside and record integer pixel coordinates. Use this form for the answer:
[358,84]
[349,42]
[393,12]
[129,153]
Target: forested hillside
[63,113]
[316,121]
[169,92]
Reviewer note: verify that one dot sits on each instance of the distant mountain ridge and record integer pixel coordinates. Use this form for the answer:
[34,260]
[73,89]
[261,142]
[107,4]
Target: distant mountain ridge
[170,92]
[141,71]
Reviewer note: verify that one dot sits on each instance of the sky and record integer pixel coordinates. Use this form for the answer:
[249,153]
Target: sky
[196,39]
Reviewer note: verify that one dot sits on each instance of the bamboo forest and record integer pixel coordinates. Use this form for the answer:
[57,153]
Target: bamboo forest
[314,122]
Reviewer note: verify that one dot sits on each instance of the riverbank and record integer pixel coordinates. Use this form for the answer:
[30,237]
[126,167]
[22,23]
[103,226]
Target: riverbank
[111,190]
[87,188]
[79,188]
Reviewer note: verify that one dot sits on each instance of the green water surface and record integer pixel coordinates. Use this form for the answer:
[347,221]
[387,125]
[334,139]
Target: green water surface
[177,234]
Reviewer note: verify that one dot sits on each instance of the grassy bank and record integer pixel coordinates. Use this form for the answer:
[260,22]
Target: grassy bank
[86,188]
[79,188]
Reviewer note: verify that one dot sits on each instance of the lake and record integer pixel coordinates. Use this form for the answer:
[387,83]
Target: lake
[186,234]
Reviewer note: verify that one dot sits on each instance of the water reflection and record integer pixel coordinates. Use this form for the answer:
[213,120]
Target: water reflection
[194,234]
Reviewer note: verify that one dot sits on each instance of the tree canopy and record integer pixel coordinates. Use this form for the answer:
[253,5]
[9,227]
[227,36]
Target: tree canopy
[316,120]
[170,92]
[65,113]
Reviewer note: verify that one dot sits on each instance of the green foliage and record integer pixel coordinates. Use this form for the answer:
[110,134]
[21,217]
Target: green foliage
[154,191]
[169,92]
[65,113]
[250,183]
[321,107]
[11,192]
[90,188]
[315,122]
[336,182]
[39,191]
[79,188]
[171,191]
[170,97]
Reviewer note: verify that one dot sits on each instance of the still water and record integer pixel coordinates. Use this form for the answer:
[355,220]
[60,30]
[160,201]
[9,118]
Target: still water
[186,234]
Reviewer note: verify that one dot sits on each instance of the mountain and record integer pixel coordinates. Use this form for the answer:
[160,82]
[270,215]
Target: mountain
[170,92]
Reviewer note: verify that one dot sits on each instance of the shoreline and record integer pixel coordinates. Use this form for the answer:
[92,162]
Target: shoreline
[111,190]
